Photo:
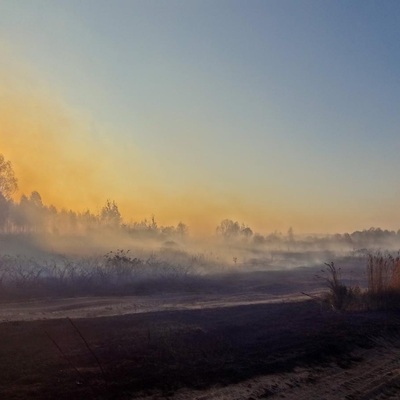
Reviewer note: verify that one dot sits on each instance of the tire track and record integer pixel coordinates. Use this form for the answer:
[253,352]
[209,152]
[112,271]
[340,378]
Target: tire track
[376,378]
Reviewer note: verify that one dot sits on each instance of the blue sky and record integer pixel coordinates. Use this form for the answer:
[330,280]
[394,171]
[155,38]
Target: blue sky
[278,113]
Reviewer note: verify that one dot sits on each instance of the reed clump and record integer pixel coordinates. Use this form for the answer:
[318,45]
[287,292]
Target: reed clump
[339,296]
[383,276]
[381,293]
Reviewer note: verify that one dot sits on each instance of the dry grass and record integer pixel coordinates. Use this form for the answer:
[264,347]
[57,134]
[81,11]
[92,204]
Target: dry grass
[339,297]
[383,285]
[383,273]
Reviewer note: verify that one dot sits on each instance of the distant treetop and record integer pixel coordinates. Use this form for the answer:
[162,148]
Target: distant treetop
[8,181]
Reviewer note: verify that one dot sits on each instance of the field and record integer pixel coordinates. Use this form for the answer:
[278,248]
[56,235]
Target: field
[236,335]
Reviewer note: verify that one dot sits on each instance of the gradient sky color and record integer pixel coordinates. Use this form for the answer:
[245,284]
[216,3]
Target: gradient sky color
[276,113]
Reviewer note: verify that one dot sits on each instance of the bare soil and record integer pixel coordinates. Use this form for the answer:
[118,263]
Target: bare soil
[243,345]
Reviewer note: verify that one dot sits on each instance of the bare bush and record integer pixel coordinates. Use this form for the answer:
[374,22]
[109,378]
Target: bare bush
[115,273]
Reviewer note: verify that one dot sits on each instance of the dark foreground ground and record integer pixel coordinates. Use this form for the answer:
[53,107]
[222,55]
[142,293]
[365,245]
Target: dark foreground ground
[159,353]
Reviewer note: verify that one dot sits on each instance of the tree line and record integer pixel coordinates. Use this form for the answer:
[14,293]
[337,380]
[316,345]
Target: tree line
[31,215]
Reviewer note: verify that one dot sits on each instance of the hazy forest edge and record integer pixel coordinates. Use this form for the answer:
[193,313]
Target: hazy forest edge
[31,216]
[45,251]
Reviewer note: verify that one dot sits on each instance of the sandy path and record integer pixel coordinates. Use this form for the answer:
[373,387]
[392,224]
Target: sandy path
[90,307]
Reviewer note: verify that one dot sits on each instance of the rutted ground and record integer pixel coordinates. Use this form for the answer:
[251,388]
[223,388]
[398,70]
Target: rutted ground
[293,350]
[258,338]
[374,374]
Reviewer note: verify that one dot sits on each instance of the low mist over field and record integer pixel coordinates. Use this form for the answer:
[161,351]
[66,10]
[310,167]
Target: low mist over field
[30,226]
[195,138]
[46,251]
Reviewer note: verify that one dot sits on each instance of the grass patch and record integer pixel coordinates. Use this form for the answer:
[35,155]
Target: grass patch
[383,273]
[339,296]
[382,291]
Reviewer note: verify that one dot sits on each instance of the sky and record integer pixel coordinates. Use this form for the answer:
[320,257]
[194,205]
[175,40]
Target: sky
[275,113]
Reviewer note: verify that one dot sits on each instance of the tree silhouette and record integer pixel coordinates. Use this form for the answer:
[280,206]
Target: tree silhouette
[8,181]
[232,229]
[228,228]
[110,214]
[4,211]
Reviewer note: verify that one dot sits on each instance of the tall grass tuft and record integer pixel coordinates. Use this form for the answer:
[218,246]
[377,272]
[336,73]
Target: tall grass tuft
[339,296]
[383,274]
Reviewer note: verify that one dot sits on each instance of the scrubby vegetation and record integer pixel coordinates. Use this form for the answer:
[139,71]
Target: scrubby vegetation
[115,273]
[383,285]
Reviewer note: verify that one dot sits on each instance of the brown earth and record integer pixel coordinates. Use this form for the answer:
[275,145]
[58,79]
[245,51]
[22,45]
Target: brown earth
[196,347]
[237,336]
